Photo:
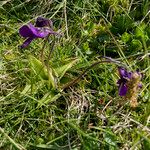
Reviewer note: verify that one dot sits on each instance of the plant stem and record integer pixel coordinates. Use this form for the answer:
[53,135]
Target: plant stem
[73,82]
[51,49]
[42,50]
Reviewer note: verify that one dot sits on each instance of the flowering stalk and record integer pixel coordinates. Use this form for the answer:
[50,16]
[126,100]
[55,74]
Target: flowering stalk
[51,49]
[77,79]
[42,50]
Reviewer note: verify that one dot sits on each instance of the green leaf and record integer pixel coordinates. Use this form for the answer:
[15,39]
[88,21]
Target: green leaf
[26,89]
[111,140]
[33,88]
[51,78]
[122,23]
[49,147]
[146,144]
[63,69]
[39,69]
[45,73]
[145,141]
[140,32]
[136,45]
[49,98]
[125,37]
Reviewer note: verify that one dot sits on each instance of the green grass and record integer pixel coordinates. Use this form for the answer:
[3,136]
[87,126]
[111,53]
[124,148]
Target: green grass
[37,112]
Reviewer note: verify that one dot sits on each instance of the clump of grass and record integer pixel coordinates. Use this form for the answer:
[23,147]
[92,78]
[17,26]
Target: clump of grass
[37,112]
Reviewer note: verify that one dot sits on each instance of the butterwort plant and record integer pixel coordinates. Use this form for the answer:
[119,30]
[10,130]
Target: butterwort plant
[41,29]
[129,85]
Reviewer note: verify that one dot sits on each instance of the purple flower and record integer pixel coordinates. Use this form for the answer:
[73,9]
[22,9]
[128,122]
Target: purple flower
[122,82]
[43,22]
[126,78]
[30,32]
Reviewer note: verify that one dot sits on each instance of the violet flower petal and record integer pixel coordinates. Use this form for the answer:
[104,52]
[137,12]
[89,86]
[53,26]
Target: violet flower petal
[31,31]
[43,22]
[129,75]
[25,31]
[123,73]
[140,85]
[39,32]
[27,42]
[123,90]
